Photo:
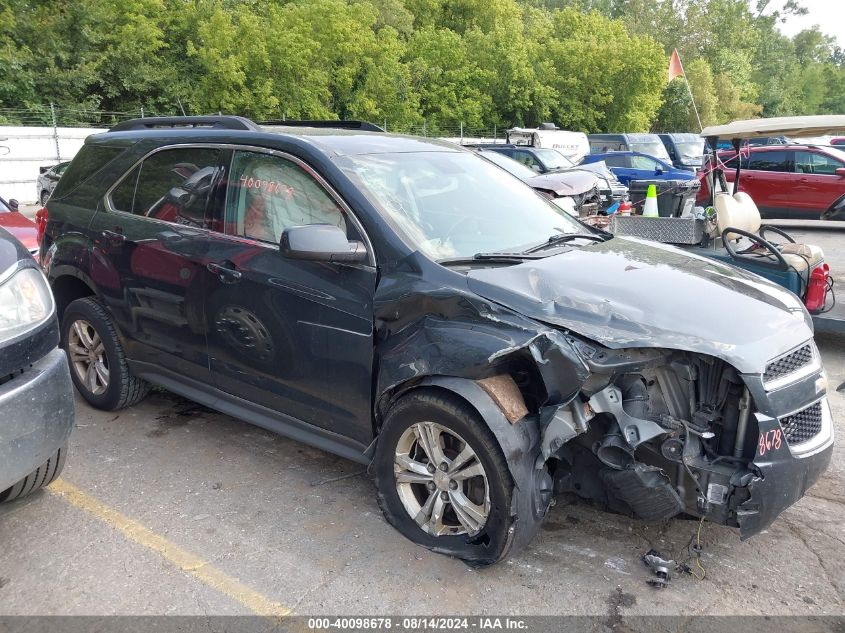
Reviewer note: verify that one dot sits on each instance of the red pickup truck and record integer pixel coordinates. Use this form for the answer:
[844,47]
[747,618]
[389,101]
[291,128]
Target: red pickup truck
[787,181]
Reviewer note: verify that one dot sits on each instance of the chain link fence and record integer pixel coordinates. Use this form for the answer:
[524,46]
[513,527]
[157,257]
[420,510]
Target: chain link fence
[51,115]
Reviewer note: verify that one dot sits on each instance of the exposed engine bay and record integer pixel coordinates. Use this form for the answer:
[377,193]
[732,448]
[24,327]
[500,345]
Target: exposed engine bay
[667,434]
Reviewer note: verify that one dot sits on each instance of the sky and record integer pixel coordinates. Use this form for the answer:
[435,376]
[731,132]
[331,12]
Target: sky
[828,14]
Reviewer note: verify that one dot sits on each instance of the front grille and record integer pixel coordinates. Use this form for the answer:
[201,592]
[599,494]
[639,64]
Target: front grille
[788,363]
[804,425]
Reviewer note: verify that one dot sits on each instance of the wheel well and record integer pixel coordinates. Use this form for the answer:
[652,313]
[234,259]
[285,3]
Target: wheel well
[67,289]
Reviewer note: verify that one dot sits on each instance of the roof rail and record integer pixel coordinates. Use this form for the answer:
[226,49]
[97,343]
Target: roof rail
[364,126]
[218,122]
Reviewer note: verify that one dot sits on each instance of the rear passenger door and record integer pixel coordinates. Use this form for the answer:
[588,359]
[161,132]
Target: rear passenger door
[294,337]
[150,249]
[769,182]
[620,164]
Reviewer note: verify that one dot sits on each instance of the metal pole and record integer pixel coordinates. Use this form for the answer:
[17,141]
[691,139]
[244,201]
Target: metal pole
[462,132]
[385,125]
[55,131]
[142,112]
[425,132]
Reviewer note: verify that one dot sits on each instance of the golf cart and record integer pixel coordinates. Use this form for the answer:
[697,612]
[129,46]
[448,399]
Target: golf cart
[731,229]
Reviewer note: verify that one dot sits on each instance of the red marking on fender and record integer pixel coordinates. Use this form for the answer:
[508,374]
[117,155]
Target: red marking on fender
[770,440]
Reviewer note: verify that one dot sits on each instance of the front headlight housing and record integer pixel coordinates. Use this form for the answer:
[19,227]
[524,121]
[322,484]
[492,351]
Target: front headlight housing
[25,302]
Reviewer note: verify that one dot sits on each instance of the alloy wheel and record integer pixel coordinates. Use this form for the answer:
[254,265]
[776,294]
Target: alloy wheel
[441,481]
[88,356]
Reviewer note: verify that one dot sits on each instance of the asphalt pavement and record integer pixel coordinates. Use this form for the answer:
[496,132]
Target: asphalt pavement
[170,508]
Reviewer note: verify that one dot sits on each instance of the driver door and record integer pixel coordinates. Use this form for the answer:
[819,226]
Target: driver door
[292,336]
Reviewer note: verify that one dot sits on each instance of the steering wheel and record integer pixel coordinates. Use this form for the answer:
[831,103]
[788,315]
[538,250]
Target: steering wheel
[776,230]
[452,228]
[759,241]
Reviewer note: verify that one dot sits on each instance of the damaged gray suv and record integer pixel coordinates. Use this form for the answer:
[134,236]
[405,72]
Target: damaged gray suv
[404,303]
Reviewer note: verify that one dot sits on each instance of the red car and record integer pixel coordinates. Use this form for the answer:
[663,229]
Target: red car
[787,181]
[20,226]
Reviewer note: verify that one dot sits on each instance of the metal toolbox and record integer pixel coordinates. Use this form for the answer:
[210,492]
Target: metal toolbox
[666,230]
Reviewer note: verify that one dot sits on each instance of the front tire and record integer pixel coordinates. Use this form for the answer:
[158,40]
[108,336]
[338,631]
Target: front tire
[97,361]
[442,479]
[42,476]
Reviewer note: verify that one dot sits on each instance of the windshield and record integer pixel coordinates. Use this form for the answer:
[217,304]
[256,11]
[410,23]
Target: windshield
[456,204]
[652,148]
[553,159]
[509,164]
[691,152]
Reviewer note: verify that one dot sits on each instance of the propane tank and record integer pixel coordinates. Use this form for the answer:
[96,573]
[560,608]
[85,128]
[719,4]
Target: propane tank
[817,288]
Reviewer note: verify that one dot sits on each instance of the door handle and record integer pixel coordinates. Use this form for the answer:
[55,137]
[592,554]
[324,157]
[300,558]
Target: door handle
[227,274]
[114,236]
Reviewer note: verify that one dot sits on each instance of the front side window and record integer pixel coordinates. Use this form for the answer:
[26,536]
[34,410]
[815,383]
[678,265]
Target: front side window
[456,204]
[644,162]
[173,185]
[770,161]
[815,163]
[553,159]
[267,194]
[527,159]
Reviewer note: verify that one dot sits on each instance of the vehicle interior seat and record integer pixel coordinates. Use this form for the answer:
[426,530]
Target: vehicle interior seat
[740,211]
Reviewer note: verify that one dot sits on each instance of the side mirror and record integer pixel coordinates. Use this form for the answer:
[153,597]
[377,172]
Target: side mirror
[658,171]
[42,169]
[536,168]
[321,243]
[840,172]
[13,204]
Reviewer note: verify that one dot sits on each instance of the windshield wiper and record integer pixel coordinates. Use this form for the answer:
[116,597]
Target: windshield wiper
[505,258]
[562,238]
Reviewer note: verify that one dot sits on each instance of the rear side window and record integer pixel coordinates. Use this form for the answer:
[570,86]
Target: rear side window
[731,163]
[770,161]
[88,161]
[616,161]
[171,185]
[123,196]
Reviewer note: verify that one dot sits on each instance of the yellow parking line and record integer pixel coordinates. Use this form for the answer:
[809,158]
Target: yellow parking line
[202,570]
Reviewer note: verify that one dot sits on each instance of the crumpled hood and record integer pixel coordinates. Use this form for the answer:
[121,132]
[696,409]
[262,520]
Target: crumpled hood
[566,183]
[628,292]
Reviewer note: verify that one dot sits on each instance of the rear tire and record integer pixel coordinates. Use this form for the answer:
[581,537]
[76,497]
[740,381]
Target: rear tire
[42,476]
[440,506]
[97,361]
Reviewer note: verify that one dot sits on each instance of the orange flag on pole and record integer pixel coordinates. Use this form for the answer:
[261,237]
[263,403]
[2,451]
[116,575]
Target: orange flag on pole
[675,68]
